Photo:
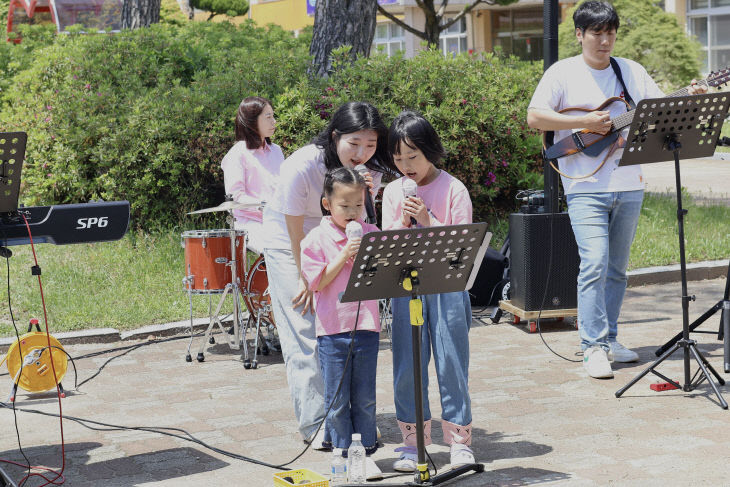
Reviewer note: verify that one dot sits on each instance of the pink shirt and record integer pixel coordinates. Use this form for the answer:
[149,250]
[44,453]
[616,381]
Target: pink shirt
[445,197]
[252,174]
[319,248]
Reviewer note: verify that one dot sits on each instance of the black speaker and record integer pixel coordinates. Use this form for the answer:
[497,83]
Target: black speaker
[487,288]
[529,235]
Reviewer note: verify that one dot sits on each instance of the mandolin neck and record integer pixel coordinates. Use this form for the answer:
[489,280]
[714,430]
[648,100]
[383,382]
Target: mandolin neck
[625,119]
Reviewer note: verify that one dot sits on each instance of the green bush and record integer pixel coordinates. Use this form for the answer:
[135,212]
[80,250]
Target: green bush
[476,104]
[147,115]
[231,8]
[144,115]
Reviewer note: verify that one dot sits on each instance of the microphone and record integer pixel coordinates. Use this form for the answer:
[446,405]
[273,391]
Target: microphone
[369,207]
[353,230]
[409,190]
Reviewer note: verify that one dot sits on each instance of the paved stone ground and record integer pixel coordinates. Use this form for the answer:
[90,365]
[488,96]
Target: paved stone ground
[538,418]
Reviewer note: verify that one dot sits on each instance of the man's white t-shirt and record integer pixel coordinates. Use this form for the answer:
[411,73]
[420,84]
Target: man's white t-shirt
[572,83]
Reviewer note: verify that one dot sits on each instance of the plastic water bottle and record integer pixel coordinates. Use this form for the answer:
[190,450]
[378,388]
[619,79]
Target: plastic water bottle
[338,468]
[356,461]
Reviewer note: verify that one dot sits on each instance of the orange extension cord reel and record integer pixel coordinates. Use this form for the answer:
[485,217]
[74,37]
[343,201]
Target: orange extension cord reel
[35,362]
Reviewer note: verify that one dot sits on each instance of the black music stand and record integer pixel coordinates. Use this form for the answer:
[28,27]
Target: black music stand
[12,155]
[723,332]
[662,127]
[413,262]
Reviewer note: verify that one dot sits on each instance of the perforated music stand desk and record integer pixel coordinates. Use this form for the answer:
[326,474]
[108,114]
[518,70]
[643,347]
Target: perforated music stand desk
[660,130]
[12,155]
[413,262]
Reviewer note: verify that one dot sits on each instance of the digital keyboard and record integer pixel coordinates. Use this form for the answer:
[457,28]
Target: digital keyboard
[66,224]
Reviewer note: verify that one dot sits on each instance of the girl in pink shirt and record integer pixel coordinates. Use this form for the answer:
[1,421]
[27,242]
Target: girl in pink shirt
[440,199]
[326,260]
[251,167]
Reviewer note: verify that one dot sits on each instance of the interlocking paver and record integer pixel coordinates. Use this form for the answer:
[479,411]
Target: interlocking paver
[538,419]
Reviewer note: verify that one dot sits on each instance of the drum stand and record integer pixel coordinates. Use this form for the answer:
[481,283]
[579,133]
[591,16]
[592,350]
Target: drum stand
[238,339]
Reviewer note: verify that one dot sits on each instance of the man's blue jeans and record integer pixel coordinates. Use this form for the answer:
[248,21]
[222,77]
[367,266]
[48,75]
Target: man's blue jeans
[604,225]
[353,409]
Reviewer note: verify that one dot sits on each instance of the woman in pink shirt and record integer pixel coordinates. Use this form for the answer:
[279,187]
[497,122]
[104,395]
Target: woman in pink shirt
[440,199]
[327,258]
[251,167]
[355,135]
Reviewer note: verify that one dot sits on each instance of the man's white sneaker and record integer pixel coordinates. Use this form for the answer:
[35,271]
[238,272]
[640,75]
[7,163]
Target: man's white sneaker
[461,455]
[408,459]
[622,354]
[372,471]
[595,361]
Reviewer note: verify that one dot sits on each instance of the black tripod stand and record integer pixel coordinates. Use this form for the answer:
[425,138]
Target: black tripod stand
[723,332]
[690,124]
[410,263]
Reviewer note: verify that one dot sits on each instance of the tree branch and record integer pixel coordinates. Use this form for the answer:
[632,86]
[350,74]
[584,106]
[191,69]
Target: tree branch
[440,13]
[399,22]
[466,10]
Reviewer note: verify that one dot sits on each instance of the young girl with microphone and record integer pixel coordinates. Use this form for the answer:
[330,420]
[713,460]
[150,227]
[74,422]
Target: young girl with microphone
[326,259]
[427,196]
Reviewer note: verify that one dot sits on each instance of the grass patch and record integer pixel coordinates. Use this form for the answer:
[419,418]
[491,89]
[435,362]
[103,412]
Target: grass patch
[706,231]
[138,280]
[124,284]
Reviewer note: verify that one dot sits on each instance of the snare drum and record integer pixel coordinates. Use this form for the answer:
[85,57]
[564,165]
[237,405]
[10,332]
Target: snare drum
[207,257]
[257,287]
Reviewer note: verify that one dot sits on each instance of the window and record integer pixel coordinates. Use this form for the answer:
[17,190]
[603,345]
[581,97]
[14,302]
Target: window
[709,21]
[453,40]
[518,32]
[389,38]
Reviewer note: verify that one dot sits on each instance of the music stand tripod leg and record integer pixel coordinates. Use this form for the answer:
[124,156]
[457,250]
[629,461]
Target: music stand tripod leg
[726,333]
[422,476]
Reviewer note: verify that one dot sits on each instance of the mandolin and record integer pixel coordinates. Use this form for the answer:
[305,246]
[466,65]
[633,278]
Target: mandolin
[593,143]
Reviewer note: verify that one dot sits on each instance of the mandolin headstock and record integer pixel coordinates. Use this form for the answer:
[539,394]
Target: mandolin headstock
[717,79]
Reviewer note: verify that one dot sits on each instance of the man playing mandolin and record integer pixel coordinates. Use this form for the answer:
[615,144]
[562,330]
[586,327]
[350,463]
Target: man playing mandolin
[604,200]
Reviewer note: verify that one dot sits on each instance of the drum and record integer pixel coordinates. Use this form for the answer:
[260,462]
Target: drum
[257,287]
[207,254]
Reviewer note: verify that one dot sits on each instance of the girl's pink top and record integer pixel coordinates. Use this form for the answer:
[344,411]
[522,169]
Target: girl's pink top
[251,174]
[319,248]
[446,198]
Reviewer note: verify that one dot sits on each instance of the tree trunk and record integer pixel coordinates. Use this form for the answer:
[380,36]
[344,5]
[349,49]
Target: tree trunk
[140,13]
[338,23]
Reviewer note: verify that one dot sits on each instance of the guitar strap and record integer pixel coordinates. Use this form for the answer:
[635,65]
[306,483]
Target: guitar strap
[627,96]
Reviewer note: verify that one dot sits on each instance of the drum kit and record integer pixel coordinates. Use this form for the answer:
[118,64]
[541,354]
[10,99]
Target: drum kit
[216,262]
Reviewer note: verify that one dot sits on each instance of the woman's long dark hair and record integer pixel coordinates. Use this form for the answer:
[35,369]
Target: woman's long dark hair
[353,117]
[247,126]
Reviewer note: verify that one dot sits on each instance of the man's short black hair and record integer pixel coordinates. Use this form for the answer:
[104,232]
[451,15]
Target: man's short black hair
[595,16]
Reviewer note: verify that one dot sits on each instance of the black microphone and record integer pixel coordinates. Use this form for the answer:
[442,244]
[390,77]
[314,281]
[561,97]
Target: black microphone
[369,207]
[409,190]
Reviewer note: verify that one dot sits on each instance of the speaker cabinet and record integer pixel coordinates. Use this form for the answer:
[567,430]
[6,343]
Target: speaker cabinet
[530,247]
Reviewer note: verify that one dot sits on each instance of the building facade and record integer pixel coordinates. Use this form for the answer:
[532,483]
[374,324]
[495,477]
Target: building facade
[514,29]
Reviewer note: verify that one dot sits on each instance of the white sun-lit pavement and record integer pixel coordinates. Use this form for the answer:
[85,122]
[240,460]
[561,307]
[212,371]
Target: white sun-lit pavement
[537,418]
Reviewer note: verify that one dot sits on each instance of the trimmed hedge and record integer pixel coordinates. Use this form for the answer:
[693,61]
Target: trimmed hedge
[477,104]
[144,115]
[147,115]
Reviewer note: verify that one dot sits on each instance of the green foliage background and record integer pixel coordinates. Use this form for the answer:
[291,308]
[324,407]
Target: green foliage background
[227,7]
[649,36]
[477,105]
[147,115]
[143,115]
